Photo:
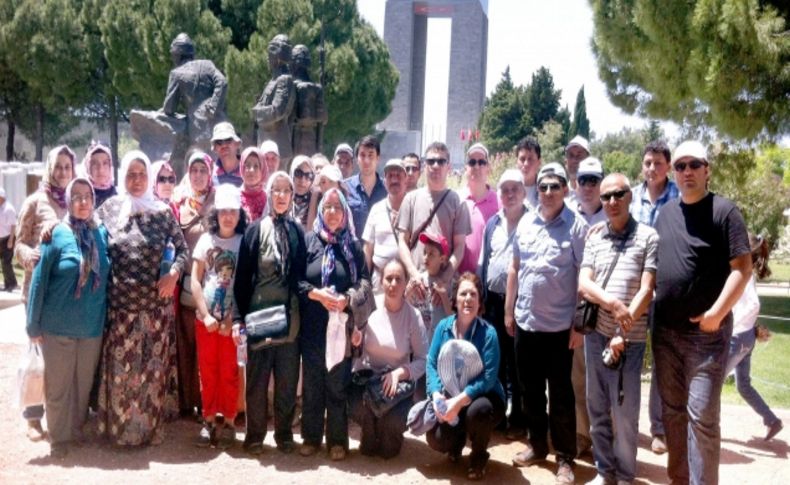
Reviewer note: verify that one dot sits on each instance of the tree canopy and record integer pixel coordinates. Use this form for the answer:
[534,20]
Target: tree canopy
[718,63]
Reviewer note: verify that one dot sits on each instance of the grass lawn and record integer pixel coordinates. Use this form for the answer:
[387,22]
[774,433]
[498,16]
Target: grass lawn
[770,361]
[780,272]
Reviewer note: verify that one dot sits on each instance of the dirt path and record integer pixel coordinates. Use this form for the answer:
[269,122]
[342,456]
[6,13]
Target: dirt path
[745,457]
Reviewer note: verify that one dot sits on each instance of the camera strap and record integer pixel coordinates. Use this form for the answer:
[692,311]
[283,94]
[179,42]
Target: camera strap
[620,392]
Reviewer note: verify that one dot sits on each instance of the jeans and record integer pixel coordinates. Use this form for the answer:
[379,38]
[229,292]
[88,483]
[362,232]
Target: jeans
[543,357]
[740,358]
[690,369]
[282,361]
[615,455]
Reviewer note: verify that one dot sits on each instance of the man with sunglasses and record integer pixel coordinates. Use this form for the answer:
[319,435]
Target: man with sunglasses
[366,187]
[225,143]
[540,302]
[480,201]
[436,209]
[704,264]
[623,288]
[649,197]
[413,166]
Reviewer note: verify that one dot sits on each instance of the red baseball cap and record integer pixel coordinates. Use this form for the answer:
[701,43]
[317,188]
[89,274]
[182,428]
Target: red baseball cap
[437,239]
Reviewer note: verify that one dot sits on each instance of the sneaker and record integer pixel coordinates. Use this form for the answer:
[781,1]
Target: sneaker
[601,480]
[227,436]
[337,453]
[34,430]
[583,445]
[774,429]
[564,473]
[308,449]
[205,437]
[659,444]
[528,457]
[58,450]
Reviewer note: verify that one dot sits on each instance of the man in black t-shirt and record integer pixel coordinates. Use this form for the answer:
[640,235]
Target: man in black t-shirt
[703,266]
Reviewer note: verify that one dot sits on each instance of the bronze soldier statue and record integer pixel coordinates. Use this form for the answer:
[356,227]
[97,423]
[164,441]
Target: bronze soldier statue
[311,114]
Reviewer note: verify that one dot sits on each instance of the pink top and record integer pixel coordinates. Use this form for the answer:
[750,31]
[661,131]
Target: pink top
[479,213]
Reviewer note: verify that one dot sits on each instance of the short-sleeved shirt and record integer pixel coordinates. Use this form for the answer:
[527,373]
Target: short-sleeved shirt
[645,211]
[638,255]
[549,254]
[451,219]
[698,241]
[360,202]
[7,219]
[220,256]
[592,219]
[480,211]
[380,231]
[220,176]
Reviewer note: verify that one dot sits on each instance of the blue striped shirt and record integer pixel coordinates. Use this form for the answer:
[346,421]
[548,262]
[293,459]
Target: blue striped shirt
[645,211]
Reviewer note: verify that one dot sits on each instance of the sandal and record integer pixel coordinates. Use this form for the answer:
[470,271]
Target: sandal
[337,453]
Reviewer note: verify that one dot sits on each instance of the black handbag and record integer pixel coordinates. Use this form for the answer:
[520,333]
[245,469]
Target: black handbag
[373,396]
[267,324]
[586,317]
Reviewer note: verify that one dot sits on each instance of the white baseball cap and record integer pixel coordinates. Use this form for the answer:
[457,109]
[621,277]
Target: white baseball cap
[395,163]
[270,146]
[590,166]
[477,146]
[579,141]
[690,148]
[224,131]
[227,196]
[510,175]
[555,169]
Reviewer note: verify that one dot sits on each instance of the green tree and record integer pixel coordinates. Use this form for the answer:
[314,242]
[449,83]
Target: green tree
[720,63]
[501,121]
[550,137]
[580,124]
[564,119]
[542,100]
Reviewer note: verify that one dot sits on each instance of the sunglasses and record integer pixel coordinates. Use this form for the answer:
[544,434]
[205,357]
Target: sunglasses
[436,161]
[227,141]
[162,179]
[473,163]
[588,180]
[616,194]
[694,165]
[555,187]
[298,173]
[412,169]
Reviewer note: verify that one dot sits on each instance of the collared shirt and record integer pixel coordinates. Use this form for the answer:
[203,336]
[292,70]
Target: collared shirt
[380,230]
[7,219]
[531,200]
[645,211]
[360,202]
[220,176]
[592,219]
[497,254]
[549,254]
[639,254]
[480,211]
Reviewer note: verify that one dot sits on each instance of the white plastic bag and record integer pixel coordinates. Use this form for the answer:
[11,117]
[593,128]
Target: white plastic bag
[335,339]
[30,378]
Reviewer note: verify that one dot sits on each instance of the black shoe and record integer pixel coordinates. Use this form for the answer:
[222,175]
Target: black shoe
[58,451]
[774,429]
[226,436]
[252,447]
[286,447]
[240,421]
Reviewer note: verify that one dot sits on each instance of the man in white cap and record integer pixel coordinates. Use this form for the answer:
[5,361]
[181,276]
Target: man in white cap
[704,263]
[380,234]
[344,159]
[481,202]
[271,156]
[577,150]
[7,229]
[495,258]
[225,143]
[540,302]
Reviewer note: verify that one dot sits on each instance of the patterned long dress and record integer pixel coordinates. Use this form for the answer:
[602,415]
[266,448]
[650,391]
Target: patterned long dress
[139,384]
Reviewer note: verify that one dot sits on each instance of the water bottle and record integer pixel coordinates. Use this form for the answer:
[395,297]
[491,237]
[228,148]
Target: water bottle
[241,349]
[441,404]
[168,256]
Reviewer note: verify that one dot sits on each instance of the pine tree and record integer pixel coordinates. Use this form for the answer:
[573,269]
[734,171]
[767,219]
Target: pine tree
[501,122]
[580,124]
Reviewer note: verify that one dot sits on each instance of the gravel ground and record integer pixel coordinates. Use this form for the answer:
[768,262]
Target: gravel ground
[745,457]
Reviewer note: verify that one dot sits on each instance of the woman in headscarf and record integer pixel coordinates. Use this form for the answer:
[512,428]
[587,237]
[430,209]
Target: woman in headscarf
[97,166]
[163,180]
[302,175]
[194,200]
[335,277]
[40,212]
[66,314]
[254,174]
[148,254]
[271,262]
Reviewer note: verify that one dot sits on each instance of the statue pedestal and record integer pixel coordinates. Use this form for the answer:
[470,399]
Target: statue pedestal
[160,136]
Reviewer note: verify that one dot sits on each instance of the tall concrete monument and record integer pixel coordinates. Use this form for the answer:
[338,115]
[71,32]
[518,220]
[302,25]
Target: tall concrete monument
[406,33]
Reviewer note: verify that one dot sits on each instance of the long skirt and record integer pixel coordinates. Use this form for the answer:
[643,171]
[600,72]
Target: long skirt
[139,381]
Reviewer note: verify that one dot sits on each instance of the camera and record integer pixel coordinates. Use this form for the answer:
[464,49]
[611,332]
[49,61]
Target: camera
[609,359]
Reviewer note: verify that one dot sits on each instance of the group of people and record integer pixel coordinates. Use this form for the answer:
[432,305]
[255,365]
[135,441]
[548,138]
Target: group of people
[390,301]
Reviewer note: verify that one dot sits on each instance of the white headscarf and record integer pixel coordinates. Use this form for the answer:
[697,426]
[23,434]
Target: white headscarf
[146,202]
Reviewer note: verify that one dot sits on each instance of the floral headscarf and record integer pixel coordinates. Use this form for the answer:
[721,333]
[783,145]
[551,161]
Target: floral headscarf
[83,232]
[93,148]
[51,186]
[343,237]
[132,204]
[253,197]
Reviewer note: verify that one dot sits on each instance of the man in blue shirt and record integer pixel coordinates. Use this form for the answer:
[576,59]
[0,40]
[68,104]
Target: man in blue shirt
[540,302]
[366,187]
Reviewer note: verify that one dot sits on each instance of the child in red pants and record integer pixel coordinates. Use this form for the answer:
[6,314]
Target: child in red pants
[213,269]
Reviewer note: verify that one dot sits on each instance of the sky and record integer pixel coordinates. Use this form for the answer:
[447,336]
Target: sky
[525,35]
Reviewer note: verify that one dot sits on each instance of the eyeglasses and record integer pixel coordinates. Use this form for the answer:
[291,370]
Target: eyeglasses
[693,164]
[299,173]
[555,187]
[412,169]
[166,180]
[473,163]
[588,180]
[81,199]
[224,142]
[331,207]
[282,192]
[616,194]
[436,161]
